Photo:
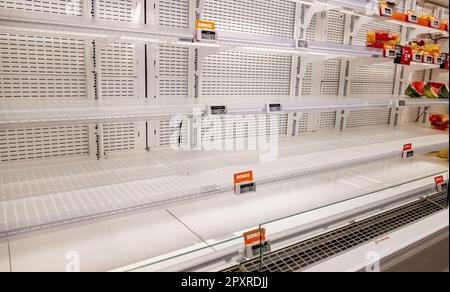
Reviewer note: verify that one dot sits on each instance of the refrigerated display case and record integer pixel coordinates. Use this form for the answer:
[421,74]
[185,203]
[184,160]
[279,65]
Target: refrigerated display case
[122,126]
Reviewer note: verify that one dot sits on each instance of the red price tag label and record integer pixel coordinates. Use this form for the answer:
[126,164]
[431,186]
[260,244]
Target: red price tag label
[403,55]
[445,64]
[438,180]
[407,147]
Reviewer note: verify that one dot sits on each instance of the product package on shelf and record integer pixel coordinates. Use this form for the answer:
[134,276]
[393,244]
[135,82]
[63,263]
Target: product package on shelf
[431,90]
[425,52]
[391,9]
[440,122]
[435,90]
[387,7]
[383,40]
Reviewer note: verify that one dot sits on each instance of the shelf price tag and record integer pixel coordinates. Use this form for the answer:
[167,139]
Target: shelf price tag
[206,30]
[441,185]
[401,103]
[408,152]
[417,57]
[255,241]
[403,55]
[389,53]
[274,107]
[244,183]
[427,58]
[412,17]
[435,23]
[218,110]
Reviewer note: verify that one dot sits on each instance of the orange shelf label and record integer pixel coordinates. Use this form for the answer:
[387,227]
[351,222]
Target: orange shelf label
[254,236]
[243,177]
[208,25]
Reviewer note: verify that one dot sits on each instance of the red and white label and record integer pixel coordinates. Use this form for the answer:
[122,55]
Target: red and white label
[407,147]
[439,180]
[403,55]
[255,236]
[445,63]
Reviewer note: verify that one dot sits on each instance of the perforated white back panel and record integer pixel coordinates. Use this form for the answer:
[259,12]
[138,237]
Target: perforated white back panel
[119,137]
[119,10]
[39,143]
[247,74]
[307,81]
[26,54]
[41,67]
[303,122]
[232,127]
[443,109]
[118,65]
[172,62]
[169,131]
[310,35]
[173,13]
[368,118]
[70,7]
[238,73]
[411,115]
[264,17]
[173,66]
[327,120]
[335,27]
[42,86]
[444,45]
[331,77]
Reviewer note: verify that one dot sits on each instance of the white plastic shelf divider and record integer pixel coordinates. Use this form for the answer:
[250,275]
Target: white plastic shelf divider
[37,197]
[25,113]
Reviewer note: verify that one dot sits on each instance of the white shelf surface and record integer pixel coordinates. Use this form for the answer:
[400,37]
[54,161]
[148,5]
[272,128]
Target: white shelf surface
[37,196]
[155,236]
[298,195]
[101,246]
[26,112]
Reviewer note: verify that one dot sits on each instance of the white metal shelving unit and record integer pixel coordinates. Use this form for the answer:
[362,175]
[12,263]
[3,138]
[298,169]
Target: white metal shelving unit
[91,98]
[36,197]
